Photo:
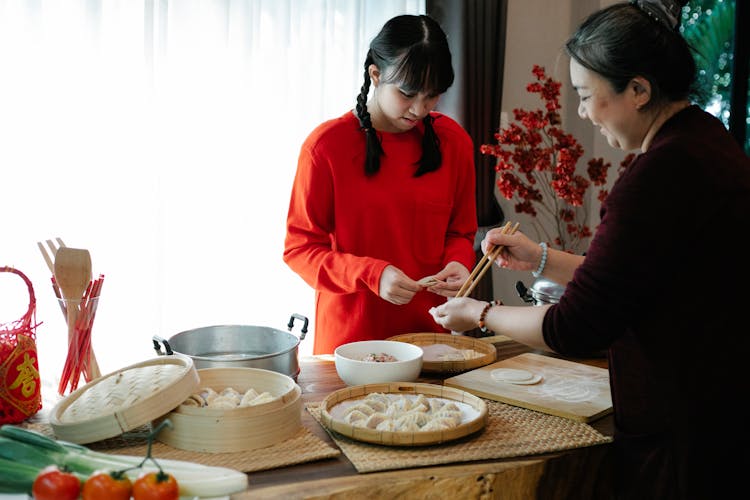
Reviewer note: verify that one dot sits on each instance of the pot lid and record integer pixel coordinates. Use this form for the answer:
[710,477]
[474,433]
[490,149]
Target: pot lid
[546,290]
[125,399]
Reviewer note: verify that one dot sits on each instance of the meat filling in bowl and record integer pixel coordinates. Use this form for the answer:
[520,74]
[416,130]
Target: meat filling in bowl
[379,358]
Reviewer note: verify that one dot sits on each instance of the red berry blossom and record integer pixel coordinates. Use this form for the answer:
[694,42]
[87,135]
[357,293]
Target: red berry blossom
[537,167]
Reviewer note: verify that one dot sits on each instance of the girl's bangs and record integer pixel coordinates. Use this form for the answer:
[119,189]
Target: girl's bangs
[423,70]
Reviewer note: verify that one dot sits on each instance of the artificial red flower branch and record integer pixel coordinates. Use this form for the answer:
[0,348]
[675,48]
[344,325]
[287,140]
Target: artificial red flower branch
[537,168]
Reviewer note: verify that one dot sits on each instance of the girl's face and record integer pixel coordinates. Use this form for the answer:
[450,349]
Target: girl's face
[394,109]
[616,115]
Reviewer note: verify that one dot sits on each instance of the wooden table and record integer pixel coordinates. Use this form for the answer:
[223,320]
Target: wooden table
[580,473]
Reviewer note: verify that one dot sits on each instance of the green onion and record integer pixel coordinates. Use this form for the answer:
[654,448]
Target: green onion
[23,453]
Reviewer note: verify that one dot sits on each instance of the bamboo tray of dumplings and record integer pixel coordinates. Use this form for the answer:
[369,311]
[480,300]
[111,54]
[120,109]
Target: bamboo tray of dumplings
[488,353]
[476,417]
[214,430]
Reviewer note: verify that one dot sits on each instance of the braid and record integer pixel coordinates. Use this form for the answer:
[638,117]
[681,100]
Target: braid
[431,157]
[373,149]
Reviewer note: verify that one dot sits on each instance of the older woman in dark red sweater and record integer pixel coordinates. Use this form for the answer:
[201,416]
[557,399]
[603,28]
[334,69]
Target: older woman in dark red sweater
[663,284]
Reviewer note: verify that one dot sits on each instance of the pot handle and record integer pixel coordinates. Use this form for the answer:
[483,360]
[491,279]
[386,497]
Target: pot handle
[156,340]
[523,292]
[304,326]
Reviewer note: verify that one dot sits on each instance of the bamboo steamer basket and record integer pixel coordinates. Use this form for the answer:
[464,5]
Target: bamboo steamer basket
[213,430]
[124,400]
[397,438]
[487,351]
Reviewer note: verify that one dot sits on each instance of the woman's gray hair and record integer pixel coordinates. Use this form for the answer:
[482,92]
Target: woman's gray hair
[623,41]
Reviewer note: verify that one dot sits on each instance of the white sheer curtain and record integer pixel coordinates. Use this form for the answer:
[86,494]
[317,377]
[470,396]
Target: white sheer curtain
[163,137]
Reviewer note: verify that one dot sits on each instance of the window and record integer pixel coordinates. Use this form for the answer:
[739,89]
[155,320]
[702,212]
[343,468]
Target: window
[162,135]
[709,26]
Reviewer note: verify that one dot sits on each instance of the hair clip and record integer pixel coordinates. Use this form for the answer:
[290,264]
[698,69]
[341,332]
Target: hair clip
[666,12]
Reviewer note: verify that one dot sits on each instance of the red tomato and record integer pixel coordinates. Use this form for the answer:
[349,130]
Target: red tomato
[107,486]
[53,484]
[156,486]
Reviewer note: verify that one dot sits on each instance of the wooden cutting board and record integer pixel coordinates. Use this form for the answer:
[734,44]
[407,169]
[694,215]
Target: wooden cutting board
[572,390]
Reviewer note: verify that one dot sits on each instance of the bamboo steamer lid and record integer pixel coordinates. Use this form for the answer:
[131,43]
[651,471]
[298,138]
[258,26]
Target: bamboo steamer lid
[125,399]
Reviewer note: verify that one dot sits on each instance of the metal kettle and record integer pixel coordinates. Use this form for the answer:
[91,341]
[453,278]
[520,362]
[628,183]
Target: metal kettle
[541,292]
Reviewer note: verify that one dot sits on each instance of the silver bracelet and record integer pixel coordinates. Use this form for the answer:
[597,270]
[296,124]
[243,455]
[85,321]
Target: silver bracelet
[543,262]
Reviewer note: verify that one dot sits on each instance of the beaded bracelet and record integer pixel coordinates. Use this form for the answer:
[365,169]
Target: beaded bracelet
[543,262]
[483,315]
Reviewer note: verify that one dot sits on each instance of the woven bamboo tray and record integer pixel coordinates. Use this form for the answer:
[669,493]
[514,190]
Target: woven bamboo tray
[124,400]
[214,430]
[395,438]
[488,351]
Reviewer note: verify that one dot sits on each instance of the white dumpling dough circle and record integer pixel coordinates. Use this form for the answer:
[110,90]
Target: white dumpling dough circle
[515,376]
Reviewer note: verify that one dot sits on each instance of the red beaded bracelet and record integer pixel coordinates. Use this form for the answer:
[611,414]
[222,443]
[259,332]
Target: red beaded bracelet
[483,316]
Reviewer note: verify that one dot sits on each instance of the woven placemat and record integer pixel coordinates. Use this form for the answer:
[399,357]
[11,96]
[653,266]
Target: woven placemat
[300,448]
[510,432]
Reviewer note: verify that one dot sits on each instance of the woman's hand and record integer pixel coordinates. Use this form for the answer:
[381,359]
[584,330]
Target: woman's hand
[396,287]
[520,253]
[458,314]
[453,275]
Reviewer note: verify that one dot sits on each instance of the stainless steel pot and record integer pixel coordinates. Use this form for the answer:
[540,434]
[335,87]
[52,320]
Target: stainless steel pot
[541,292]
[235,346]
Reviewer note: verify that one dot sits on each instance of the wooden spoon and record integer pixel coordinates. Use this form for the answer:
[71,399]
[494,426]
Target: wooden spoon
[72,274]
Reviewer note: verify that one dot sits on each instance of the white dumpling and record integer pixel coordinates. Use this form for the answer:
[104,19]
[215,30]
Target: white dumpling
[436,404]
[454,416]
[361,407]
[194,400]
[386,425]
[420,404]
[230,391]
[451,406]
[207,394]
[262,398]
[438,424]
[404,403]
[222,403]
[378,396]
[249,395]
[393,411]
[355,416]
[409,427]
[374,420]
[376,405]
[416,418]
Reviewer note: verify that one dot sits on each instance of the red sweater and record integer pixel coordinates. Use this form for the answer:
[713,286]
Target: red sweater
[344,228]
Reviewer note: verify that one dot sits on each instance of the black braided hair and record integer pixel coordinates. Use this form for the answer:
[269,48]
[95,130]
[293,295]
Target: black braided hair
[411,51]
[374,148]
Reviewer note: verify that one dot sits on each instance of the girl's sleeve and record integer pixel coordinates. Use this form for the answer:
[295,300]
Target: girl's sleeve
[308,248]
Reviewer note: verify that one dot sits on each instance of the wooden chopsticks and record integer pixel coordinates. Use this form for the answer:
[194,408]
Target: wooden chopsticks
[485,263]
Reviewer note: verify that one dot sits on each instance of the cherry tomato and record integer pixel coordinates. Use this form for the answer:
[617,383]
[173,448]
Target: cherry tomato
[53,484]
[156,486]
[107,486]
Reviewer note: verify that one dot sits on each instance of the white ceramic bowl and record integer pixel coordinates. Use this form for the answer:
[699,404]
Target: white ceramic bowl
[354,371]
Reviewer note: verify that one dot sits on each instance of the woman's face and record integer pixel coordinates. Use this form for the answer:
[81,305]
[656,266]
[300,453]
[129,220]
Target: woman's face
[394,109]
[616,115]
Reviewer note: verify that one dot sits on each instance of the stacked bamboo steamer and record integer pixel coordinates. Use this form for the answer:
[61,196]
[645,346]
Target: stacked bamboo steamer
[239,429]
[155,389]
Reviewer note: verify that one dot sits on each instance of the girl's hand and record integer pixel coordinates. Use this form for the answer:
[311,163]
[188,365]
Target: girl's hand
[458,314]
[396,287]
[452,277]
[520,253]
